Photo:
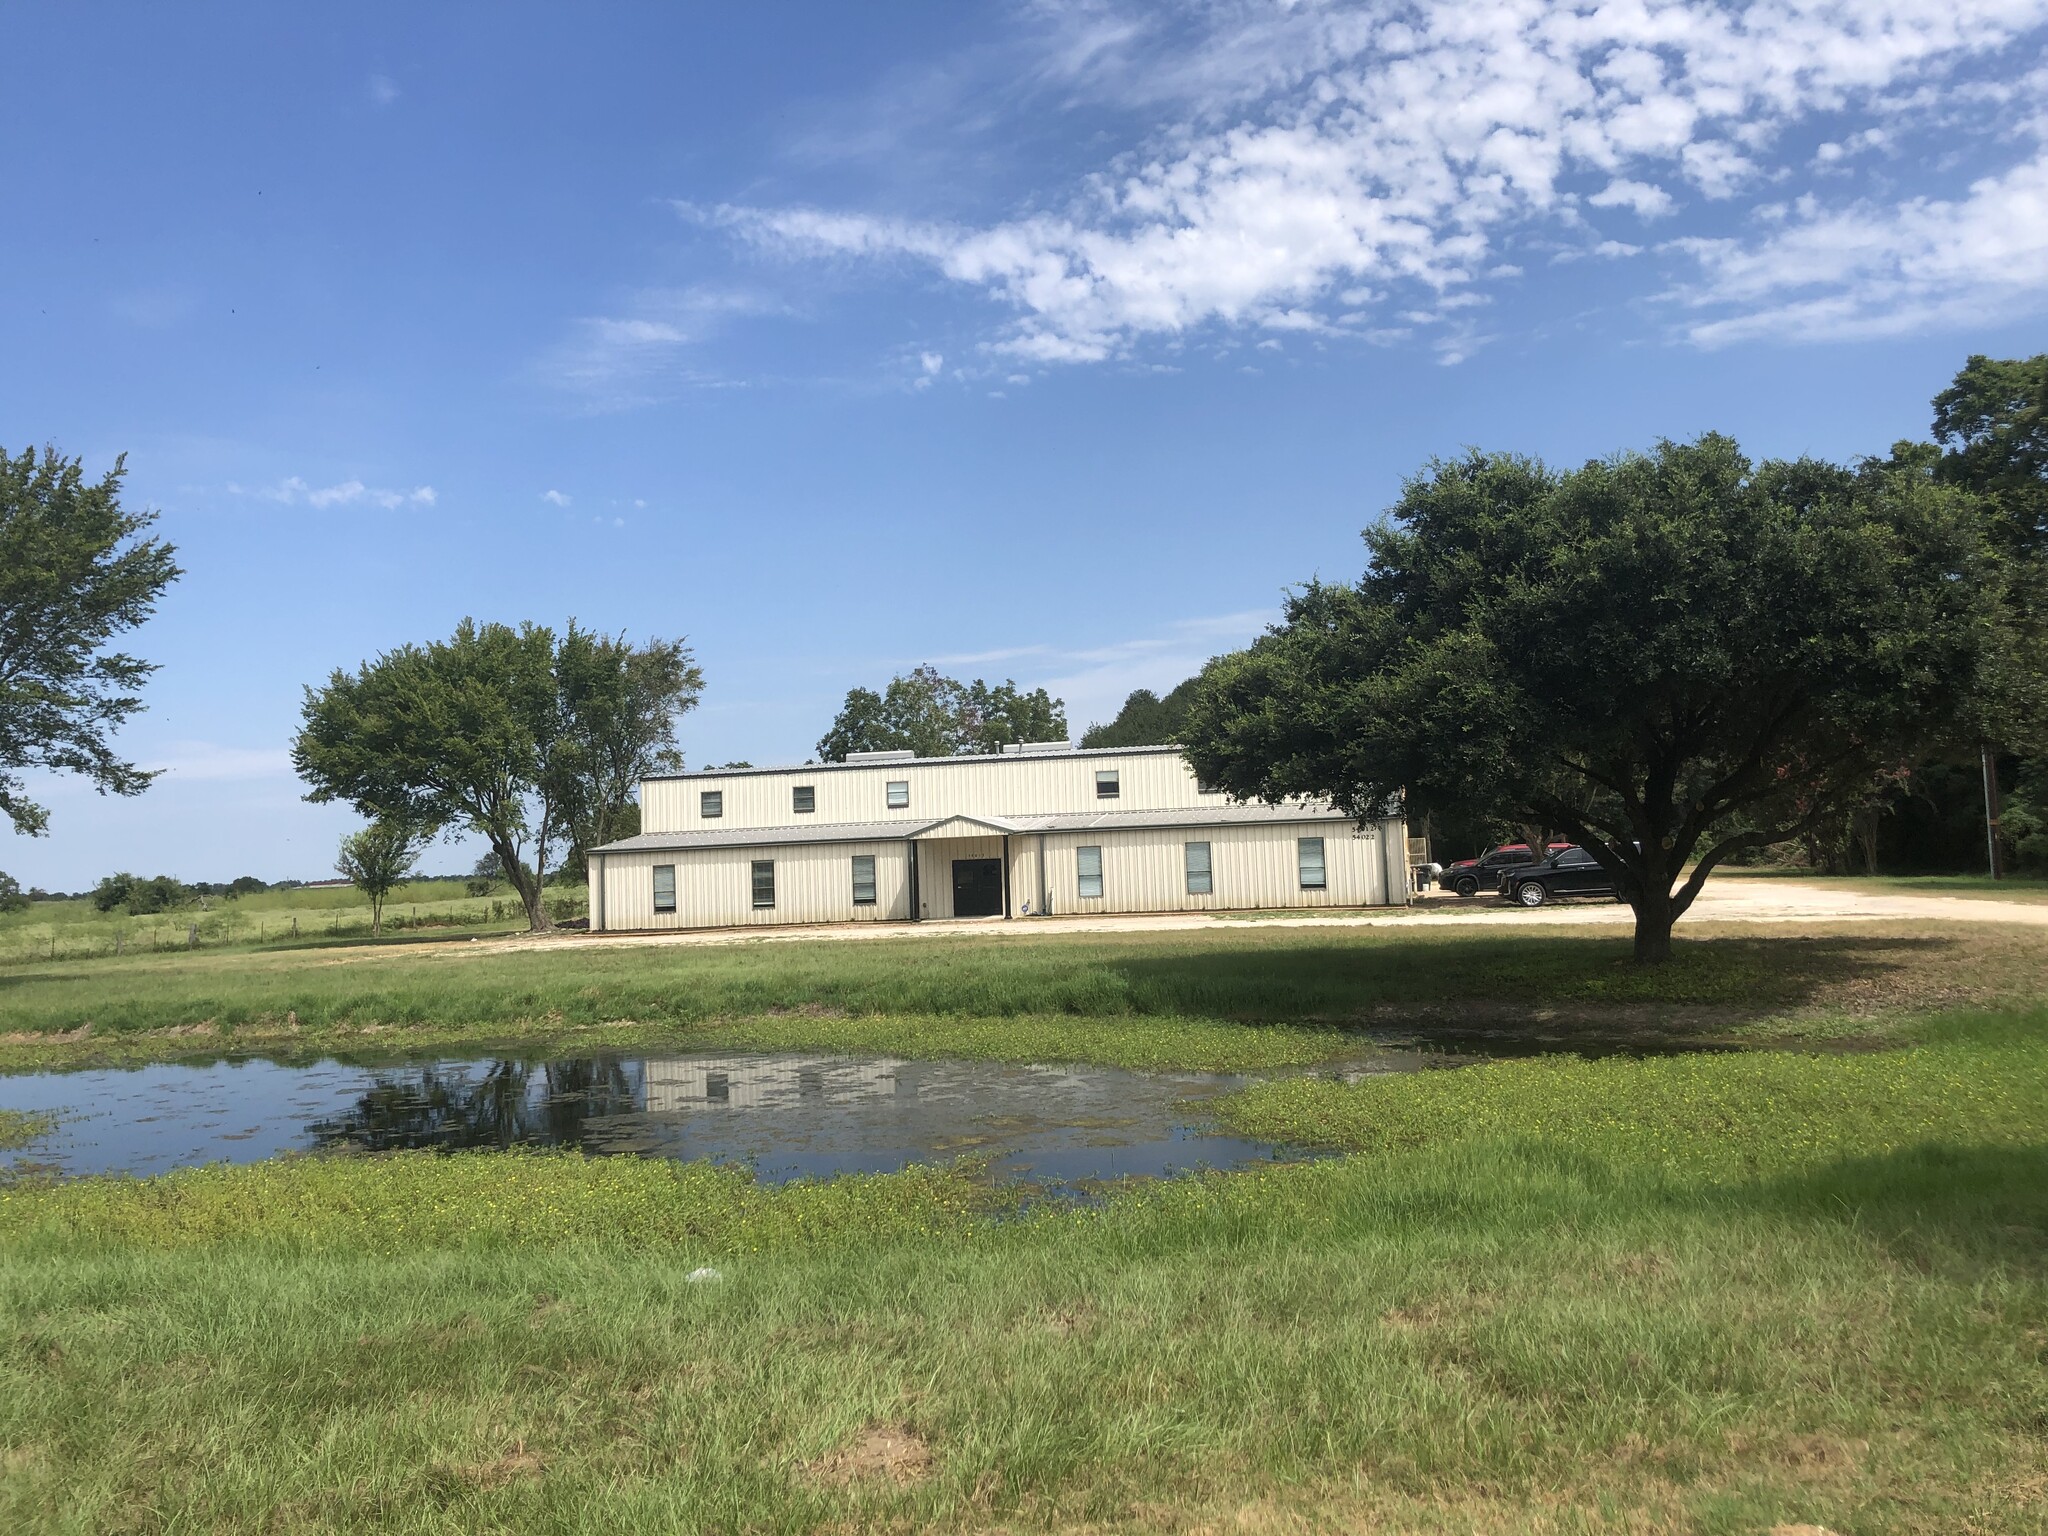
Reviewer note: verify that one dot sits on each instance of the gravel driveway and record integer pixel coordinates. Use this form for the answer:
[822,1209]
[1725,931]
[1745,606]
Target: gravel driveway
[1735,899]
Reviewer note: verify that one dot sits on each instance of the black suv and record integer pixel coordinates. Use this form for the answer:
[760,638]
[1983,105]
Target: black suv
[1574,872]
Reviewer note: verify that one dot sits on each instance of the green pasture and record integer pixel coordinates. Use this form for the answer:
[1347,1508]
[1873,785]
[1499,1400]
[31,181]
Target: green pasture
[1722,1291]
[76,930]
[2027,888]
[1540,1295]
[1222,998]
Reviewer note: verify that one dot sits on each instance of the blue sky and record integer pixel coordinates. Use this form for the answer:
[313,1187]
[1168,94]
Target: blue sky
[1049,340]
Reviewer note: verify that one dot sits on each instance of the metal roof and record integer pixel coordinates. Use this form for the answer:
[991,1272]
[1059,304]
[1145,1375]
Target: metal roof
[893,831]
[1037,755]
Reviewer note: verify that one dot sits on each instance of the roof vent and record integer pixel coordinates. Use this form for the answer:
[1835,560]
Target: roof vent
[1041,746]
[897,755]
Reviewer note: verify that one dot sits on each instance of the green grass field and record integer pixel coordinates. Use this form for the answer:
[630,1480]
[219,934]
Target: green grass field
[76,930]
[1712,1293]
[1241,996]
[2027,888]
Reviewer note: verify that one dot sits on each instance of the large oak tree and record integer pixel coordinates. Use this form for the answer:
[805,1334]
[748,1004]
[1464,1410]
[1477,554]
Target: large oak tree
[1669,657]
[508,733]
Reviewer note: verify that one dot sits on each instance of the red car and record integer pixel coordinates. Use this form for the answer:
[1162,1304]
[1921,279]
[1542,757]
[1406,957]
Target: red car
[1470,876]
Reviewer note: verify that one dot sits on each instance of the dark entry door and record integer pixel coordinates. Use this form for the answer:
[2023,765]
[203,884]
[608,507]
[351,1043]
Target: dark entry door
[977,887]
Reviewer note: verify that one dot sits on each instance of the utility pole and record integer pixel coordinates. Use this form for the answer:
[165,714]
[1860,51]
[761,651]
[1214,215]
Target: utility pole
[1990,762]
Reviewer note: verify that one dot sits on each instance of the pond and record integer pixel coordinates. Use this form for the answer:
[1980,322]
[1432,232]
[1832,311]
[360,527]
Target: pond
[787,1115]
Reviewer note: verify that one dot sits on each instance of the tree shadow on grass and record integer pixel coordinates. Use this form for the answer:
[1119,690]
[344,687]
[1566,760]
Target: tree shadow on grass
[1550,991]
[1933,1206]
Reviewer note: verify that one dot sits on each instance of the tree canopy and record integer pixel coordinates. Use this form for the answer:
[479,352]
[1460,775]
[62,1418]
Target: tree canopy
[509,733]
[1669,657]
[621,705]
[1992,425]
[74,573]
[1146,719]
[937,716]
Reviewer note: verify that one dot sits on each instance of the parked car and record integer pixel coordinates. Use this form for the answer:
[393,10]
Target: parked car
[1572,872]
[1468,877]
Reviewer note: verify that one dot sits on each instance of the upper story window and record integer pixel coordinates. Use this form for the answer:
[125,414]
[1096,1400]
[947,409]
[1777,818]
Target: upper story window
[1088,871]
[1107,784]
[803,799]
[1200,882]
[1315,874]
[899,794]
[664,887]
[710,803]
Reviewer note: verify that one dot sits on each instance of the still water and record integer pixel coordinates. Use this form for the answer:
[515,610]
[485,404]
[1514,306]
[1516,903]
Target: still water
[787,1115]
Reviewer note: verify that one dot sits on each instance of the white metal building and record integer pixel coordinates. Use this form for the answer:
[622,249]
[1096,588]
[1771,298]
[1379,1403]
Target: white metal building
[1041,829]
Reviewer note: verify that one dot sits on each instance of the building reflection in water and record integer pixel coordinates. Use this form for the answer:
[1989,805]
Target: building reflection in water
[507,1103]
[788,1082]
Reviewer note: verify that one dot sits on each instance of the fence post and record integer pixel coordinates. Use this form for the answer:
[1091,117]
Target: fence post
[117,942]
[295,927]
[192,937]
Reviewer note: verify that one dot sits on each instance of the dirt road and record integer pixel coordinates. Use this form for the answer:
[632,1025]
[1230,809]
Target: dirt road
[1736,899]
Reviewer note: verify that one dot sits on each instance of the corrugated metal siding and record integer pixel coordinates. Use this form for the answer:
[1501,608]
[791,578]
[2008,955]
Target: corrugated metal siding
[1020,785]
[1250,867]
[714,887]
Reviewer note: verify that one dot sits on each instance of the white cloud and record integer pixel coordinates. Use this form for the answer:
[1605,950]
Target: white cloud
[1648,202]
[294,491]
[615,361]
[1880,270]
[197,760]
[1322,149]
[382,89]
[554,498]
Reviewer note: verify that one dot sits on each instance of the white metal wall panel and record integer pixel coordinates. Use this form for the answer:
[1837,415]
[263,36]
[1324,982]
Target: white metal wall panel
[1022,784]
[1143,870]
[714,886]
[1250,867]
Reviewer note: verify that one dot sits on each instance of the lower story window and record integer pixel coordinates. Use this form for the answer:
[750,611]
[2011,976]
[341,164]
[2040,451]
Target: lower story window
[863,879]
[664,887]
[1315,875]
[764,882]
[1088,871]
[1199,881]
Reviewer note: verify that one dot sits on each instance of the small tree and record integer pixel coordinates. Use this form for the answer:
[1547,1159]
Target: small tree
[1668,657]
[139,897]
[73,574]
[11,898]
[380,858]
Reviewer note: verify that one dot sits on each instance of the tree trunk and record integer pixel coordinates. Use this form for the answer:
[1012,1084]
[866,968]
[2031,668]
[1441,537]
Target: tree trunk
[537,919]
[1655,913]
[527,884]
[1653,937]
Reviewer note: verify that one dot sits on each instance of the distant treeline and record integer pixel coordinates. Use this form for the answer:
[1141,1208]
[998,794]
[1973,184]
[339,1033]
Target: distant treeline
[140,896]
